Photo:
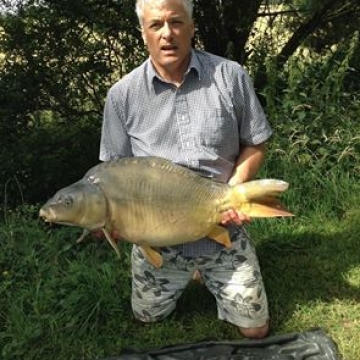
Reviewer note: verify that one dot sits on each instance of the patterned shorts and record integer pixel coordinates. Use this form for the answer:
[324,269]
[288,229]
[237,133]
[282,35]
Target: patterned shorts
[231,275]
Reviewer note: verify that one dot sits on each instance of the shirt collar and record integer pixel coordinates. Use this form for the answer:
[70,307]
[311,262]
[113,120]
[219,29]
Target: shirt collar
[194,64]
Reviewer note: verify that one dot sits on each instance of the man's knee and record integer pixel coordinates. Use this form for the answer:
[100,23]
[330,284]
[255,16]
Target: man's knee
[255,333]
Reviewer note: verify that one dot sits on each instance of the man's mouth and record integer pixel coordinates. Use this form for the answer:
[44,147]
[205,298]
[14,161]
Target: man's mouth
[169,48]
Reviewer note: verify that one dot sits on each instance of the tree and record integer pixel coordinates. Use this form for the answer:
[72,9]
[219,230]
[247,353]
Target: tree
[62,55]
[225,27]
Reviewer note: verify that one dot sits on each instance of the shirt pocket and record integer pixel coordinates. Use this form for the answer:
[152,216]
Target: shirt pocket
[218,132]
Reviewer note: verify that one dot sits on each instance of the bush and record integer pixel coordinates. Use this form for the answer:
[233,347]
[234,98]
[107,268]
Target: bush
[47,157]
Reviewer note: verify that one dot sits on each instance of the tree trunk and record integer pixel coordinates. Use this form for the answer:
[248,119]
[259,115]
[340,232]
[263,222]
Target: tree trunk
[298,37]
[224,26]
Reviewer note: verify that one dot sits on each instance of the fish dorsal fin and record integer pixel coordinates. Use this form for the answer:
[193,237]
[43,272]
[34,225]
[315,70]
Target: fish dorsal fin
[153,256]
[220,235]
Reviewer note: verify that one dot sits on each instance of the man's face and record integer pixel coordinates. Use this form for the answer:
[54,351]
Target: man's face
[167,32]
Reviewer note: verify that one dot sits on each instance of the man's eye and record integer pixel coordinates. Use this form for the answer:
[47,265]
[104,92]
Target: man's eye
[155,26]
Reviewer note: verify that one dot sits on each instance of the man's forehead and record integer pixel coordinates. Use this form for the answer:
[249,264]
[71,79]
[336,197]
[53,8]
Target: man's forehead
[156,17]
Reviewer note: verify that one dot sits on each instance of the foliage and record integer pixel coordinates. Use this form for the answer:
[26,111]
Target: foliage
[224,27]
[314,111]
[62,56]
[295,23]
[59,59]
[338,24]
[49,156]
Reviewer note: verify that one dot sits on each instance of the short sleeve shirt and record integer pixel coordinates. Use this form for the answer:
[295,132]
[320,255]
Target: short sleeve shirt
[202,124]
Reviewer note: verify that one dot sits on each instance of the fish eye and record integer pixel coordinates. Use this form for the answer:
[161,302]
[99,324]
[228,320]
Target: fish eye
[68,201]
[64,200]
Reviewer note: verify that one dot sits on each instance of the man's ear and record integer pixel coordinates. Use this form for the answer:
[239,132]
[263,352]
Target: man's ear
[143,36]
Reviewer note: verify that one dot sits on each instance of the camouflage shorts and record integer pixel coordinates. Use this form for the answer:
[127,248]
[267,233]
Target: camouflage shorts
[231,275]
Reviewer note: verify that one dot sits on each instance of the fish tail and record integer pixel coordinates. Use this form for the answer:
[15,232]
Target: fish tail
[259,198]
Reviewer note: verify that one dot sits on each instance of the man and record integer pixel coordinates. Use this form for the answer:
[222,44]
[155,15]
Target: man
[201,111]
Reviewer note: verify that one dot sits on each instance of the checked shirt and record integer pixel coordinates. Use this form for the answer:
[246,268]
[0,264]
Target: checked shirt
[201,124]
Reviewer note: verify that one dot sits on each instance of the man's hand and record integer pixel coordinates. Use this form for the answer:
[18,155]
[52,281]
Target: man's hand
[234,217]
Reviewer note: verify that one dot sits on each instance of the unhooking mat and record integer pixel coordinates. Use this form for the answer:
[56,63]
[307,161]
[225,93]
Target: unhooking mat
[309,345]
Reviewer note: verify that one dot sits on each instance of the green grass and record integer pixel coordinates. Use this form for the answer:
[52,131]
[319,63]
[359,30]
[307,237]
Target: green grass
[312,273]
[63,300]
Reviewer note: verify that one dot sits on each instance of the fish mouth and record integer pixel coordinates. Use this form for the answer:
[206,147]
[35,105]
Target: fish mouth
[47,215]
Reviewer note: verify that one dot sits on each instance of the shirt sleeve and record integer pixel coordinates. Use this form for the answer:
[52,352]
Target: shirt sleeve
[115,141]
[254,127]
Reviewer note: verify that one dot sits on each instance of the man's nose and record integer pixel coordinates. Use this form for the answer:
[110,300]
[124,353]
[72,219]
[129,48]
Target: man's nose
[167,31]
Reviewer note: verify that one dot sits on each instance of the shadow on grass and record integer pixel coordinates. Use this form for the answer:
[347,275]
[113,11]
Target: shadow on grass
[311,266]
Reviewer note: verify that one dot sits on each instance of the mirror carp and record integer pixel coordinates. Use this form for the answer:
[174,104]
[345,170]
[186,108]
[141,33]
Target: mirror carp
[154,203]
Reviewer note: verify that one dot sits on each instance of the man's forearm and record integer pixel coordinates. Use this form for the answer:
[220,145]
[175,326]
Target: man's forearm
[248,163]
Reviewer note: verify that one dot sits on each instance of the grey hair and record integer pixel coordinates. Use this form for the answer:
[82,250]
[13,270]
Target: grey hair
[140,4]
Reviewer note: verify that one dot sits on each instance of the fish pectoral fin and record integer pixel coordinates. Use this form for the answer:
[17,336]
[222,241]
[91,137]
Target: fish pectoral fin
[220,235]
[266,207]
[111,241]
[152,255]
[84,234]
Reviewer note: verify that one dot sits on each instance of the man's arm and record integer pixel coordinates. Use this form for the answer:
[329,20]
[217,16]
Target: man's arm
[248,164]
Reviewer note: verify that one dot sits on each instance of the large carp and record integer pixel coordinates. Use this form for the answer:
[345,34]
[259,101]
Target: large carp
[154,203]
